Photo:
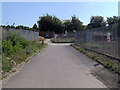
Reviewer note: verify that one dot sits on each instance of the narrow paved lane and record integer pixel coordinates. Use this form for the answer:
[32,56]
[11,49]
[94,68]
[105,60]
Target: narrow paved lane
[57,66]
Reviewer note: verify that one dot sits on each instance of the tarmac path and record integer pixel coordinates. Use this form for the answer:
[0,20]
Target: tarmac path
[57,66]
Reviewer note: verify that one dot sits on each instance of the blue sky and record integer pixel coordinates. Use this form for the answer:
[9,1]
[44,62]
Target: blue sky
[27,13]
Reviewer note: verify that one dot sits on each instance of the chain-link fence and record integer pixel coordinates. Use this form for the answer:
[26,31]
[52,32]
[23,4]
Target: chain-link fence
[67,38]
[28,35]
[104,40]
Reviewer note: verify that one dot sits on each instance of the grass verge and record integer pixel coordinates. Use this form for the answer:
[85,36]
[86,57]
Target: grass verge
[62,40]
[16,50]
[107,62]
[8,63]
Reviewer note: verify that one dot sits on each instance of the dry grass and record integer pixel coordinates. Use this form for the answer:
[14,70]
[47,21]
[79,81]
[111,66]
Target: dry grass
[107,62]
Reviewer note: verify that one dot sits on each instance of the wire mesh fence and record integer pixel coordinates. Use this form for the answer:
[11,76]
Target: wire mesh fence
[68,38]
[28,35]
[104,40]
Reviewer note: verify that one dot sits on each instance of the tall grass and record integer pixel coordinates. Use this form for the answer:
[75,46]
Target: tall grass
[16,50]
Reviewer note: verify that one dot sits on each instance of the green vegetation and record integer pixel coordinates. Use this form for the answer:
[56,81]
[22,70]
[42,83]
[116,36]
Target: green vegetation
[112,20]
[73,24]
[13,43]
[94,45]
[96,21]
[35,27]
[112,65]
[16,50]
[63,40]
[41,39]
[52,23]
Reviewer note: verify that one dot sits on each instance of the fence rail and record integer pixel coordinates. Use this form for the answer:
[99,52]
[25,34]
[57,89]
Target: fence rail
[104,40]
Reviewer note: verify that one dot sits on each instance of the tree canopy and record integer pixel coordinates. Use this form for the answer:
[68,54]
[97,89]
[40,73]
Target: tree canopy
[22,27]
[96,21]
[112,20]
[76,23]
[67,25]
[35,26]
[50,23]
[73,24]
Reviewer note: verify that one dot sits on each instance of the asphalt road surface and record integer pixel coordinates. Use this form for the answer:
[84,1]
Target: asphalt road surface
[57,66]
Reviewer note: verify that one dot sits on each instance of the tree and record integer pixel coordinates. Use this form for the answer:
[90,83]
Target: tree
[19,27]
[22,27]
[96,21]
[67,25]
[35,26]
[12,26]
[50,23]
[25,28]
[8,26]
[73,24]
[76,23]
[112,20]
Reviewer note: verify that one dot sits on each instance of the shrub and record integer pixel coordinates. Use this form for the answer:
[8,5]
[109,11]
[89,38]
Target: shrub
[52,40]
[16,50]
[13,43]
[7,47]
[42,39]
[7,64]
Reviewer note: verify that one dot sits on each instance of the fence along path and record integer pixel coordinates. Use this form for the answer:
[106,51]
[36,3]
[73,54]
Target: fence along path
[104,40]
[27,34]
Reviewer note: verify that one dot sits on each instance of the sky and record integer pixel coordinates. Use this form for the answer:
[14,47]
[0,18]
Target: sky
[28,13]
